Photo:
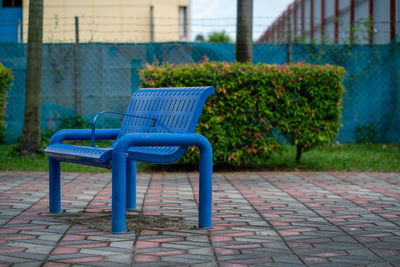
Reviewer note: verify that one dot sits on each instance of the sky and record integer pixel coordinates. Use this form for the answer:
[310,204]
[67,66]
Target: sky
[217,15]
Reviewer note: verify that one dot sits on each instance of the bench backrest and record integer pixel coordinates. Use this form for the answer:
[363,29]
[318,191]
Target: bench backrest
[165,110]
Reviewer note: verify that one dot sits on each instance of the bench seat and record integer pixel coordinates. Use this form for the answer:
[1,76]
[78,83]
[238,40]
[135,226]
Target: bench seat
[101,157]
[92,156]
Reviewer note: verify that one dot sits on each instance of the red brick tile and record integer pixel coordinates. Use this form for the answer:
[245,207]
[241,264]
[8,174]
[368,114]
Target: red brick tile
[226,251]
[247,262]
[82,260]
[55,264]
[330,254]
[296,231]
[71,237]
[299,245]
[314,260]
[218,227]
[148,232]
[220,238]
[91,245]
[145,244]
[166,253]
[9,231]
[78,227]
[65,250]
[139,258]
[379,235]
[11,250]
[17,221]
[239,234]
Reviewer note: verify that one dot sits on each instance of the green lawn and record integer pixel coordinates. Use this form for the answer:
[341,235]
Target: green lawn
[348,157]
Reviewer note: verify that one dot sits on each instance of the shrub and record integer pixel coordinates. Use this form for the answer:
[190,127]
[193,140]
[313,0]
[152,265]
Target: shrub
[75,121]
[5,80]
[301,101]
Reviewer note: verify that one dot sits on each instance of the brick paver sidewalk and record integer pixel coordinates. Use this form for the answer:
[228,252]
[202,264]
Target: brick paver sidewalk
[263,219]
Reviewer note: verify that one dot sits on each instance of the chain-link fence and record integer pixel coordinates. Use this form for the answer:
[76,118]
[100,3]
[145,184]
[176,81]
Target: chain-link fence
[89,78]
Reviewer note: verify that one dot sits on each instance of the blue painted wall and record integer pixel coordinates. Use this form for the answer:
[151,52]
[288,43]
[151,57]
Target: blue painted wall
[9,17]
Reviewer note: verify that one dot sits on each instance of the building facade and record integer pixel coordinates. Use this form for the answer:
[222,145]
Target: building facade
[336,22]
[117,21]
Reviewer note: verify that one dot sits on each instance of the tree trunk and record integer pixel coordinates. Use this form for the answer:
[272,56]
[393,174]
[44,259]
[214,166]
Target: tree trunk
[244,31]
[30,139]
[298,154]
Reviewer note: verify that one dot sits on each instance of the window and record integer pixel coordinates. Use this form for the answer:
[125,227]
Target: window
[183,27]
[12,3]
[151,24]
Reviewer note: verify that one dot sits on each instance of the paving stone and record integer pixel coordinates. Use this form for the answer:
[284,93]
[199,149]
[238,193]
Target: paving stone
[105,252]
[38,242]
[122,244]
[102,263]
[178,246]
[68,256]
[355,259]
[332,219]
[108,239]
[202,251]
[190,243]
[205,264]
[28,264]
[10,259]
[40,249]
[292,259]
[187,259]
[155,264]
[31,256]
[125,259]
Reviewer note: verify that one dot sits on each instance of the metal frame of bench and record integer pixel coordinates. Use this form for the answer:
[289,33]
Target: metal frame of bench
[154,138]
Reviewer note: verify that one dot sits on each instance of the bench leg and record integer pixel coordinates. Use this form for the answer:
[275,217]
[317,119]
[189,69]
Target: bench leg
[118,193]
[54,186]
[131,185]
[205,190]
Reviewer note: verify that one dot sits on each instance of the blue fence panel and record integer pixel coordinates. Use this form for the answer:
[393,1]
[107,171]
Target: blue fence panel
[103,77]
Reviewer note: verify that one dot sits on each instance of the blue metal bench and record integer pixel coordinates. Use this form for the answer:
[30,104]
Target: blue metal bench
[158,127]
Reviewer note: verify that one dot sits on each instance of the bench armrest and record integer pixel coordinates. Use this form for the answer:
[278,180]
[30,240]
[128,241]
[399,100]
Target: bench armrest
[92,136]
[83,134]
[161,139]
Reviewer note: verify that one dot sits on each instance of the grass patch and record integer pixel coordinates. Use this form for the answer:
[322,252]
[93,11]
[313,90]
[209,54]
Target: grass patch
[13,161]
[343,157]
[346,157]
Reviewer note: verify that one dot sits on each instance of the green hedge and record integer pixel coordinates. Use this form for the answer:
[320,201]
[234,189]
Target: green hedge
[301,101]
[5,79]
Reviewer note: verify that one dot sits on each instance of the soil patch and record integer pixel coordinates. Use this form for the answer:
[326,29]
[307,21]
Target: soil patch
[135,221]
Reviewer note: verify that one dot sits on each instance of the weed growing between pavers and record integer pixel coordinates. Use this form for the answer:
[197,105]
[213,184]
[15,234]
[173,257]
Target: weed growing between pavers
[135,221]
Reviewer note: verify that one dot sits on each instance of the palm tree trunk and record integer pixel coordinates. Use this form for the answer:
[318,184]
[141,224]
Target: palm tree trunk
[30,139]
[244,31]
